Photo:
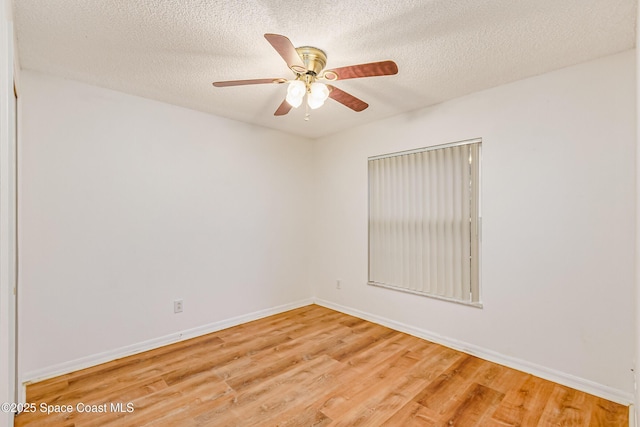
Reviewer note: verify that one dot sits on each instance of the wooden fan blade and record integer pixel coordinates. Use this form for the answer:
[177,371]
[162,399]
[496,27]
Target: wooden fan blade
[346,99]
[287,51]
[283,109]
[383,68]
[248,82]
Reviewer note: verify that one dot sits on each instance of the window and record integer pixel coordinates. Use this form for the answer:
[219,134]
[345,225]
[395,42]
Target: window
[424,221]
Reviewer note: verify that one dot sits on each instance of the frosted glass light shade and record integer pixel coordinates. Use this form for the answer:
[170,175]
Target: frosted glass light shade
[319,90]
[295,93]
[318,93]
[314,102]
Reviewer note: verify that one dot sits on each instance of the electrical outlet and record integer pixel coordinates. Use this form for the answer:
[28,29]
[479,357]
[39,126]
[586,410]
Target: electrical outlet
[338,284]
[177,306]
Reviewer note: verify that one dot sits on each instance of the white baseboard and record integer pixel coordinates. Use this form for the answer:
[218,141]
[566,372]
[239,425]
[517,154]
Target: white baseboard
[559,377]
[107,356]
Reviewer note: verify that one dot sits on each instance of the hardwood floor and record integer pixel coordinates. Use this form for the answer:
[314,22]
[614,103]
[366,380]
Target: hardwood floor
[311,367]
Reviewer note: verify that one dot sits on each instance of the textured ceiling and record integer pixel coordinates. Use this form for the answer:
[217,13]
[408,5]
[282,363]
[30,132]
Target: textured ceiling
[172,50]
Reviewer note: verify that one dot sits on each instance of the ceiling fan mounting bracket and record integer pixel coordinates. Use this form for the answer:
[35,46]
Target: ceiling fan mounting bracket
[313,58]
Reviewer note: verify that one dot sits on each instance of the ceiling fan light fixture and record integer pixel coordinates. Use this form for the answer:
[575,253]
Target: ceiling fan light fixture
[295,93]
[319,90]
[308,63]
[314,102]
[318,93]
[293,101]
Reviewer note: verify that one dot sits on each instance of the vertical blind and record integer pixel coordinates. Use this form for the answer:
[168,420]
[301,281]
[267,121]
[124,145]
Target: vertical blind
[423,221]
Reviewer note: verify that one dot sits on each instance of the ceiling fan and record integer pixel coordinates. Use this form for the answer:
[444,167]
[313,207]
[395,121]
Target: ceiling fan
[307,63]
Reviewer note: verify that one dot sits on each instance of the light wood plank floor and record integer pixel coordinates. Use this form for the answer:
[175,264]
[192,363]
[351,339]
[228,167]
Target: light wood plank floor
[312,367]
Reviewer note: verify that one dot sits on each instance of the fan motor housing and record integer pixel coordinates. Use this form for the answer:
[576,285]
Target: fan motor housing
[314,59]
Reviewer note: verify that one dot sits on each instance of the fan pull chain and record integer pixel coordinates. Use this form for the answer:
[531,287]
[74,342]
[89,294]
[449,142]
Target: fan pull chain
[306,112]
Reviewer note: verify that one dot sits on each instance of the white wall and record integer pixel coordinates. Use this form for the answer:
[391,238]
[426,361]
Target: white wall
[558,193]
[127,204]
[7,212]
[636,413]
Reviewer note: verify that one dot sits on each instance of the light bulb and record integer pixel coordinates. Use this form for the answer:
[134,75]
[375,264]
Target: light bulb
[295,93]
